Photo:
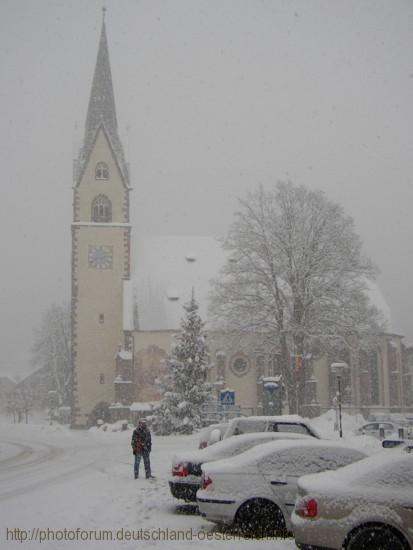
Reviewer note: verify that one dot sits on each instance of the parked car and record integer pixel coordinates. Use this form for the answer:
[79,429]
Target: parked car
[374,428]
[366,506]
[256,490]
[212,434]
[186,466]
[283,423]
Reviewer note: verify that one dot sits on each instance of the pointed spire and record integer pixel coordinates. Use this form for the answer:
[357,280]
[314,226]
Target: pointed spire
[102,100]
[101,109]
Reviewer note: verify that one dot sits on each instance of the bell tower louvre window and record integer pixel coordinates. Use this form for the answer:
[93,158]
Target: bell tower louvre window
[102,171]
[101,209]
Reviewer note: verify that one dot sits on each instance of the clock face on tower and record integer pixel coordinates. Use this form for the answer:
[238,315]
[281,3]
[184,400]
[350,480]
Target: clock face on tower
[100,256]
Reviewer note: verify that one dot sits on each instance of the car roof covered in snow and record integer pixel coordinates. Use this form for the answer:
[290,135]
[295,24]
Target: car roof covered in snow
[249,458]
[222,448]
[249,421]
[363,473]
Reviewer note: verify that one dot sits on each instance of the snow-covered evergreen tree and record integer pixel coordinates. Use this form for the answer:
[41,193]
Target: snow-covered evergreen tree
[185,385]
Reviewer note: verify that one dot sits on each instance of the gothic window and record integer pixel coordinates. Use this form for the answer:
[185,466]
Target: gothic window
[101,171]
[101,209]
[101,378]
[276,367]
[372,366]
[260,366]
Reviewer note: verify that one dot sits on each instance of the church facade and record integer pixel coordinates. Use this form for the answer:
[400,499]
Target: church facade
[124,317]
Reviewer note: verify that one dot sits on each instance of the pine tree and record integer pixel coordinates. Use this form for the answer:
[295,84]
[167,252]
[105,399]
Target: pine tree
[185,386]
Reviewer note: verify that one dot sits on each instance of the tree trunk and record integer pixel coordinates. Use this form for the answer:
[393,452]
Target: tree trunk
[288,376]
[299,372]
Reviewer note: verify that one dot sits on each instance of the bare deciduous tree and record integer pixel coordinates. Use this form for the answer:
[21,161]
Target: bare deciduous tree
[296,275]
[19,405]
[52,350]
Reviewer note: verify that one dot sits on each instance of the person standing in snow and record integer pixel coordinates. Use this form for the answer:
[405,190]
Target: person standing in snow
[141,447]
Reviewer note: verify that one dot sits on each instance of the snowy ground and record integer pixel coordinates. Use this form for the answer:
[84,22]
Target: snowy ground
[54,479]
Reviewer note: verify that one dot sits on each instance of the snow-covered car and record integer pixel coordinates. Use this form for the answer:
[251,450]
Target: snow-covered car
[186,466]
[368,505]
[212,434]
[255,491]
[282,423]
[376,428]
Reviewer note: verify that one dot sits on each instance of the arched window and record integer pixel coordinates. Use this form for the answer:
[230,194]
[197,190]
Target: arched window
[101,209]
[276,365]
[101,171]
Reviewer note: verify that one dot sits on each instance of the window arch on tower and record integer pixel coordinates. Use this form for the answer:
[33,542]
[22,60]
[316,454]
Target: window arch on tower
[102,171]
[101,209]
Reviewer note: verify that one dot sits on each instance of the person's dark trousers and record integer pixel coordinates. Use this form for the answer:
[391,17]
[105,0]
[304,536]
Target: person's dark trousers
[146,463]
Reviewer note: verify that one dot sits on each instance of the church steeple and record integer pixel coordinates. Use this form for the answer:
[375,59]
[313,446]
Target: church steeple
[101,241]
[101,110]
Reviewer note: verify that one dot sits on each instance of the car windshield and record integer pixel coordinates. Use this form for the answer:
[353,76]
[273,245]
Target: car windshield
[246,426]
[289,427]
[303,460]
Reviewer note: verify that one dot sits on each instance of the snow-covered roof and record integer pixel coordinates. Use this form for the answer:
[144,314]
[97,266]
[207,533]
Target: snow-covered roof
[167,269]
[144,407]
[125,355]
[378,300]
[120,380]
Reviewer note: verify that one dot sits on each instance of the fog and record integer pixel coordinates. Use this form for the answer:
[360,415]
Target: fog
[213,97]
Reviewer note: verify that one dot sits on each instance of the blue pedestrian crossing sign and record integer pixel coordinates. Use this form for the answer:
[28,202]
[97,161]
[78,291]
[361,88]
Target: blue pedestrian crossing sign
[227,397]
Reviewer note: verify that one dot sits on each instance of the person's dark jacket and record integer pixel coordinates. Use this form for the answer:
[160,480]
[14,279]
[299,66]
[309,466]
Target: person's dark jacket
[141,440]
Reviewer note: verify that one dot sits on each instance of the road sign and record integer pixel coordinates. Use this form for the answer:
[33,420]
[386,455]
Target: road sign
[227,397]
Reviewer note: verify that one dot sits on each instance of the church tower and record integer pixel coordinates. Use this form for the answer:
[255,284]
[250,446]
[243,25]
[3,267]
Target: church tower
[101,235]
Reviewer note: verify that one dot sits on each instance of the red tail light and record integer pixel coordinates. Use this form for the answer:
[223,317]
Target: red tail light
[180,470]
[206,482]
[203,444]
[306,507]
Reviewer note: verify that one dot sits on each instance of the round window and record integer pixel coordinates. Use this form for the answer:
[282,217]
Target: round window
[240,366]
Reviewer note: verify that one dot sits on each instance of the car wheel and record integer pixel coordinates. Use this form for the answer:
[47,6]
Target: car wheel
[376,537]
[260,517]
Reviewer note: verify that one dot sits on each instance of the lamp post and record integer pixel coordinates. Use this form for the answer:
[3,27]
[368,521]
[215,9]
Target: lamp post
[337,369]
[339,405]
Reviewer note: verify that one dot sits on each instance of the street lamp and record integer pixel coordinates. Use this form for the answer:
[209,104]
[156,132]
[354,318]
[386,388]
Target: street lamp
[337,368]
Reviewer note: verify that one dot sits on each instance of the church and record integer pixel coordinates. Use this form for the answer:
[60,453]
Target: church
[128,292]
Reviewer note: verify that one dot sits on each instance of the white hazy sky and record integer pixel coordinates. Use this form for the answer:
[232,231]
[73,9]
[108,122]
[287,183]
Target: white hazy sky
[213,97]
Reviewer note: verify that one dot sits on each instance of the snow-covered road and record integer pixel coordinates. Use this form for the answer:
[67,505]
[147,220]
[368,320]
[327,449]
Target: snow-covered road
[61,488]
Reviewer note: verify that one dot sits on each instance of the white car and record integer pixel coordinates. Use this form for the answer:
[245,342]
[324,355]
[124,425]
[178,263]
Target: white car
[256,490]
[211,434]
[282,423]
[376,428]
[186,466]
[366,506]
